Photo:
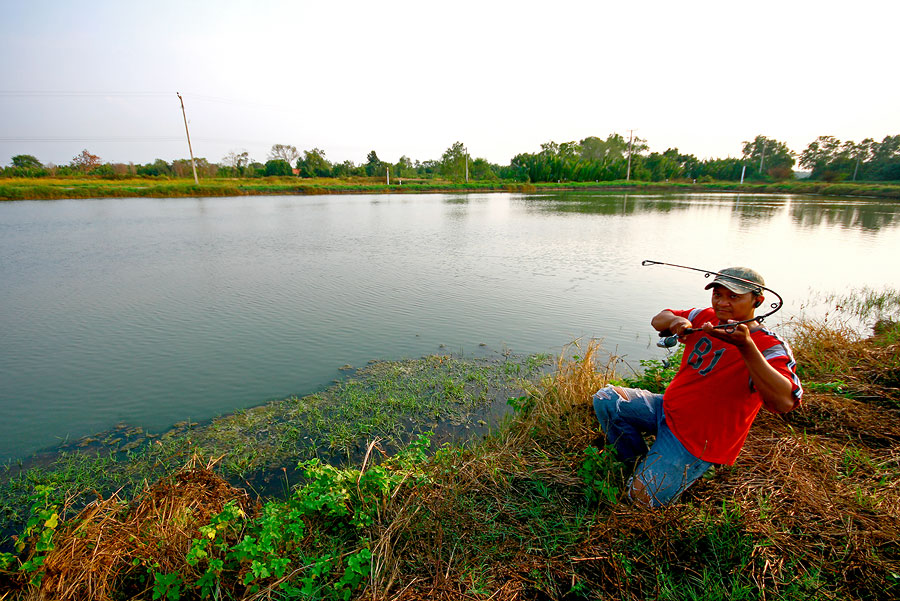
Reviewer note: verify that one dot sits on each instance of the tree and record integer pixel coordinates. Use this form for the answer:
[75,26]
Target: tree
[284,152]
[404,167]
[481,169]
[314,164]
[85,161]
[593,148]
[374,166]
[346,169]
[768,154]
[278,167]
[26,161]
[819,153]
[453,162]
[237,161]
[183,168]
[157,168]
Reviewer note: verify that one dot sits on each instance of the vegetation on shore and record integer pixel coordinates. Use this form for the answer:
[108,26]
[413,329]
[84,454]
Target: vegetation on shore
[591,159]
[75,187]
[811,510]
[869,168]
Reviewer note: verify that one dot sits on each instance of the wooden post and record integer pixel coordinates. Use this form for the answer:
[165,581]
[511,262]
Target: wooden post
[190,150]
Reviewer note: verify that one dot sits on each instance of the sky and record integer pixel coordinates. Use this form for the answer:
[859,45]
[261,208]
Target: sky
[413,77]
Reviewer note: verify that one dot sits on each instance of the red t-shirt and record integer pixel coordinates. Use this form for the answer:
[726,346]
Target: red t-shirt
[712,402]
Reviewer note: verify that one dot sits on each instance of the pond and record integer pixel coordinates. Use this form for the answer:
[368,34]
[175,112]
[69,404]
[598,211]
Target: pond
[153,311]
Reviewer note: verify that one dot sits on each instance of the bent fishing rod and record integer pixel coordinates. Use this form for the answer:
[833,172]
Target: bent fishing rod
[669,340]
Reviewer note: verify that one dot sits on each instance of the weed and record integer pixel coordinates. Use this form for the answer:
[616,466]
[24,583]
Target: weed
[602,475]
[656,374]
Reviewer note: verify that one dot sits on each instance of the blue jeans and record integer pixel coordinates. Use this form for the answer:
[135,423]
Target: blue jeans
[667,468]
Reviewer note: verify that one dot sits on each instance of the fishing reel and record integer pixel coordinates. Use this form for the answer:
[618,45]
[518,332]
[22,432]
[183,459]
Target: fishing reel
[667,340]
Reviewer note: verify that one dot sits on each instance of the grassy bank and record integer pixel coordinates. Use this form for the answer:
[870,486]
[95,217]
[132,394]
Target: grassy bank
[811,510]
[451,397]
[59,188]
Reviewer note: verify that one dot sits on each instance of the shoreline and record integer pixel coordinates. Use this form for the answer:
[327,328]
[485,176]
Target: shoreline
[457,398]
[82,188]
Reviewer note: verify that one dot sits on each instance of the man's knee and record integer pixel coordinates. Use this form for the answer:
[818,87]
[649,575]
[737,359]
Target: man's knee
[638,493]
[606,402]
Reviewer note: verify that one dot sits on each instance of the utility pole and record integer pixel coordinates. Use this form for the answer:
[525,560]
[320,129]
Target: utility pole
[762,157]
[855,169]
[630,142]
[190,150]
[387,175]
[467,165]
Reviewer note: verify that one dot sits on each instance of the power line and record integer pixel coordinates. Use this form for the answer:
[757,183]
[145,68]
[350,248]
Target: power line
[52,93]
[123,139]
[86,138]
[89,94]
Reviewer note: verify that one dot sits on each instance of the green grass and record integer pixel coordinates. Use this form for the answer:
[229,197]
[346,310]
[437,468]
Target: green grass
[392,400]
[532,511]
[88,187]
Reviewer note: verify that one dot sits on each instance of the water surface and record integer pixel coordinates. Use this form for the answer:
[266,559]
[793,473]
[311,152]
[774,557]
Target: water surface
[153,311]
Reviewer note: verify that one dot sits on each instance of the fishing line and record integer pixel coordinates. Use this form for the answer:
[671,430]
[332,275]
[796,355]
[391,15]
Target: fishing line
[669,340]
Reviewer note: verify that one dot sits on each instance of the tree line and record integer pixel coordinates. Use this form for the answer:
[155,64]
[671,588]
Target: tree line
[591,159]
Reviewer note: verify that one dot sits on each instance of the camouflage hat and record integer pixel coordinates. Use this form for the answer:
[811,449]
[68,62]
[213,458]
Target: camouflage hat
[736,283]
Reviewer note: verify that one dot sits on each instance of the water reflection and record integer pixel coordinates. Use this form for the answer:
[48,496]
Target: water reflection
[805,211]
[847,214]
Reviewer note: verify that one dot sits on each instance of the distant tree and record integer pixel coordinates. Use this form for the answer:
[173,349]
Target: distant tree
[122,169]
[453,162]
[885,162]
[481,169]
[768,153]
[26,161]
[662,166]
[404,167]
[374,166]
[85,161]
[256,169]
[278,167]
[158,168]
[830,159]
[182,167]
[820,153]
[427,168]
[284,152]
[346,169]
[729,169]
[613,148]
[236,161]
[314,164]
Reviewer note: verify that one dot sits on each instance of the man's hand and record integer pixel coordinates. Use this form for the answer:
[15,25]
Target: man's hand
[666,320]
[739,337]
[679,325]
[774,388]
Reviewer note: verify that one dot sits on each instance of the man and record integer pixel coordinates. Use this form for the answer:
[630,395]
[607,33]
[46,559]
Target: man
[703,418]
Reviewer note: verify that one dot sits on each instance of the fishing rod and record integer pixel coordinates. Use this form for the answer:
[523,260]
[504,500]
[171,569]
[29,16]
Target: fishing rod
[669,340]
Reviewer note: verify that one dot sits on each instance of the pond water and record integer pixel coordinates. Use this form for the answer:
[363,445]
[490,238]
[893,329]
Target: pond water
[154,311]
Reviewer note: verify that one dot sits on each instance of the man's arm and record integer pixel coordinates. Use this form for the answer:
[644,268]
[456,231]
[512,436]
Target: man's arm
[773,387]
[666,320]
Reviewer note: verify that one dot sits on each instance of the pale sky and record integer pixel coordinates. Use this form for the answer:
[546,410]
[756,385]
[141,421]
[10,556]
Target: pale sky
[412,77]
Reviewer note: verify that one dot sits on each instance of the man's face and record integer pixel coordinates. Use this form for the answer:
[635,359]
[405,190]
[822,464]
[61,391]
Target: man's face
[731,305]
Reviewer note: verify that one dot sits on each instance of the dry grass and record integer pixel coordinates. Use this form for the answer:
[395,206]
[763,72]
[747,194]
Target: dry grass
[831,352]
[804,513]
[112,542]
[811,510]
